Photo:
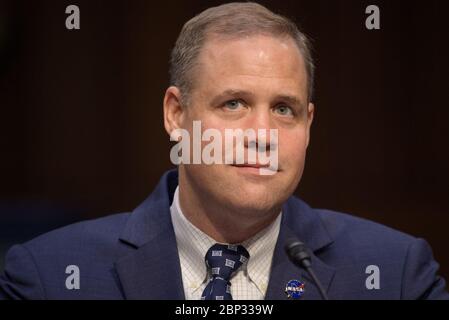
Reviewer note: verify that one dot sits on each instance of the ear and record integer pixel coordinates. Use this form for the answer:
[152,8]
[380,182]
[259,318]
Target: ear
[310,113]
[173,109]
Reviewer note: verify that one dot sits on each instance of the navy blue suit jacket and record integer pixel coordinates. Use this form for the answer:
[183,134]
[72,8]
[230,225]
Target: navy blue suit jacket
[134,256]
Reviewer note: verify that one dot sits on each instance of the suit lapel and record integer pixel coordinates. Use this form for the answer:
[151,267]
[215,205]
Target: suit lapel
[152,270]
[300,221]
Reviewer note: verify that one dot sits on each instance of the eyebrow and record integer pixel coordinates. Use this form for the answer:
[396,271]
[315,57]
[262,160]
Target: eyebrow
[289,99]
[229,93]
[292,100]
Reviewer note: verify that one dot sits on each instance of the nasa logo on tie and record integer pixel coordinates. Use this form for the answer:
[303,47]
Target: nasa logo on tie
[294,289]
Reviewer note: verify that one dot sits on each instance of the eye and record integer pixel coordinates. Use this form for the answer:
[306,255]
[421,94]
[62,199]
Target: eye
[284,110]
[233,104]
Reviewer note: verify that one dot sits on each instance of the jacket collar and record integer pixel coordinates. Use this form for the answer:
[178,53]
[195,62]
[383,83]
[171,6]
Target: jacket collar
[152,270]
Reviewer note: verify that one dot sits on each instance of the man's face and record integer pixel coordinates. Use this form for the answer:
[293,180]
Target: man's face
[257,82]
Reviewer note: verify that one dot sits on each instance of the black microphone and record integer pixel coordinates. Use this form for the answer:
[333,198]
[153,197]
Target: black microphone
[299,255]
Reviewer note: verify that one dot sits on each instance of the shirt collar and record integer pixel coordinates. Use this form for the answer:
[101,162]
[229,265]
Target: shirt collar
[261,248]
[194,244]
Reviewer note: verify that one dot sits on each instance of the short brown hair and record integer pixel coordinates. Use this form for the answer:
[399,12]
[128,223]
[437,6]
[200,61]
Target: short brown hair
[231,20]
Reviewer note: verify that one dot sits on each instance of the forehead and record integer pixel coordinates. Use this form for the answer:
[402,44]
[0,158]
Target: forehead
[253,60]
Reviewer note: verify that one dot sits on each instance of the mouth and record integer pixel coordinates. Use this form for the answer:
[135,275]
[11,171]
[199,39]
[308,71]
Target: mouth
[255,169]
[247,165]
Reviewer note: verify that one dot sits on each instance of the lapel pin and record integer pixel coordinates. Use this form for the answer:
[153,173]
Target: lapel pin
[294,289]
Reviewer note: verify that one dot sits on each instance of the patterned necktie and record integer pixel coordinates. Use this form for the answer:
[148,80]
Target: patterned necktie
[223,260]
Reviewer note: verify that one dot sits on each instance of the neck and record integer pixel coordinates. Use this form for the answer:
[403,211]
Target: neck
[220,222]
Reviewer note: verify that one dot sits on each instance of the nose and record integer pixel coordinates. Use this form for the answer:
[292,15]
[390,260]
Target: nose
[261,122]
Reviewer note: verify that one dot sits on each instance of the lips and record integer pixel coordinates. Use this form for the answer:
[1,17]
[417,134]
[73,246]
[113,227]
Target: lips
[247,165]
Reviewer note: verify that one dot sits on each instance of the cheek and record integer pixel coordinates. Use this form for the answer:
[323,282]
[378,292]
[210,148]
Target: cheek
[207,118]
[292,145]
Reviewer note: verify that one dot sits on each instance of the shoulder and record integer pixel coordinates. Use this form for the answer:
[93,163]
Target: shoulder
[93,243]
[406,263]
[349,227]
[39,268]
[99,232]
[363,241]
[342,228]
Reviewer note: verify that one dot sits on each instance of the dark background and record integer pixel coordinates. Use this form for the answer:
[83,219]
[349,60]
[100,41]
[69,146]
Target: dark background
[81,131]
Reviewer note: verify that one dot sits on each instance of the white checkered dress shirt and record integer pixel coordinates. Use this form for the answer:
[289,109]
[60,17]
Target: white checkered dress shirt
[250,282]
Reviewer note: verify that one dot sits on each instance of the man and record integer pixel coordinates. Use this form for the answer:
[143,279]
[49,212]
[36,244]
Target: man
[218,231]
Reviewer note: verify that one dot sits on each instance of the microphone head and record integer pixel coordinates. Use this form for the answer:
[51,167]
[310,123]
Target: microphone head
[297,252]
[293,245]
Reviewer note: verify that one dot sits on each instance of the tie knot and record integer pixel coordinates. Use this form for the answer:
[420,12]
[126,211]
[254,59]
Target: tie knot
[223,260]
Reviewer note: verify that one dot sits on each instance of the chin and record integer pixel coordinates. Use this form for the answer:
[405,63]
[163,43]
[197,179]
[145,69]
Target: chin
[256,201]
